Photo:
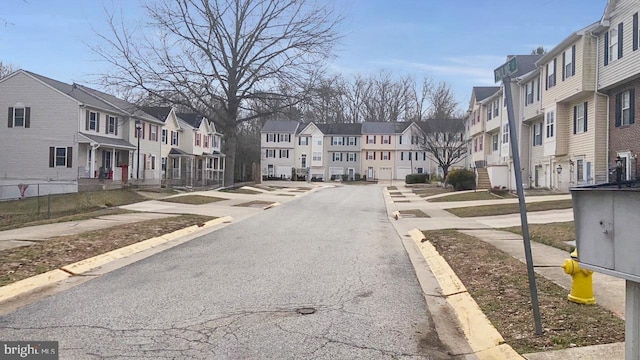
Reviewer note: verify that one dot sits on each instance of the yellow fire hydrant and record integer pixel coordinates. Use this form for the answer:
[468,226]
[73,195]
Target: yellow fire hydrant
[582,286]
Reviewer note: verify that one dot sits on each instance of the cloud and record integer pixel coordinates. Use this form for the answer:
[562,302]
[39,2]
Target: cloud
[478,67]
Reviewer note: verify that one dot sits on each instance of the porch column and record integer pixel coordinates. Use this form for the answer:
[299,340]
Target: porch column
[92,161]
[113,163]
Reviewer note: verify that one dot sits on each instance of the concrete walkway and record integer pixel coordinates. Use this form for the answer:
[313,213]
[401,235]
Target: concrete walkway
[609,291]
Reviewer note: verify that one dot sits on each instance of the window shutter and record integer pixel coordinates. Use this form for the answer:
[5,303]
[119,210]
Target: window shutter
[10,117]
[573,60]
[97,122]
[116,120]
[620,40]
[158,130]
[575,119]
[635,31]
[355,156]
[344,140]
[546,78]
[299,141]
[389,155]
[149,131]
[367,154]
[86,125]
[143,127]
[374,139]
[632,106]
[367,139]
[374,155]
[606,48]
[538,82]
[389,139]
[564,62]
[52,156]
[69,157]
[555,72]
[402,155]
[585,115]
[27,117]
[144,162]
[618,110]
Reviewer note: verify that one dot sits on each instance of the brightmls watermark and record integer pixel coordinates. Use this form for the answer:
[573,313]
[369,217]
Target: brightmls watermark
[19,350]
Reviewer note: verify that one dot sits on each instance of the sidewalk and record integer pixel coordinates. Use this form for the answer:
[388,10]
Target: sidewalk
[609,291]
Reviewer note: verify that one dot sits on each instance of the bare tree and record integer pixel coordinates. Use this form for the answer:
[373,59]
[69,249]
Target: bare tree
[6,69]
[443,140]
[442,102]
[215,56]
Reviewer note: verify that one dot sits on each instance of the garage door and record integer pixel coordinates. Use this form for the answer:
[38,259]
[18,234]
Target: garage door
[384,173]
[402,173]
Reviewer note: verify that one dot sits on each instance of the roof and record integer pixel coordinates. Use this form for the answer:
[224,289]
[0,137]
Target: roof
[372,127]
[108,141]
[192,119]
[341,129]
[176,151]
[526,63]
[442,125]
[565,43]
[283,126]
[483,92]
[159,112]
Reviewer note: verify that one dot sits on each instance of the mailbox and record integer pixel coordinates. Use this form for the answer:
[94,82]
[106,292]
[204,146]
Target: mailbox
[607,223]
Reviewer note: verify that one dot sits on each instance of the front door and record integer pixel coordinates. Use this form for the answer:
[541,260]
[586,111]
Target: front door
[304,161]
[351,174]
[270,171]
[537,176]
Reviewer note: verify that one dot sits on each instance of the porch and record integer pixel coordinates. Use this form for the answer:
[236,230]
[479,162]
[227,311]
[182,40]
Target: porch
[194,171]
[103,160]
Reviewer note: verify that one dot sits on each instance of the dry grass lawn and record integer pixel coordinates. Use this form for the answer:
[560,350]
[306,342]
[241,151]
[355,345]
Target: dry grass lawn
[504,209]
[555,234]
[255,203]
[498,283]
[424,192]
[414,213]
[23,262]
[242,191]
[471,196]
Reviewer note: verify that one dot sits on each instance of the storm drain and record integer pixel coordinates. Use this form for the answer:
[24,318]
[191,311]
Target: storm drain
[306,311]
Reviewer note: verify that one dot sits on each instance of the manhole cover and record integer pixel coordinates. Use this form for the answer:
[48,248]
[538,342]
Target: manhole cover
[306,311]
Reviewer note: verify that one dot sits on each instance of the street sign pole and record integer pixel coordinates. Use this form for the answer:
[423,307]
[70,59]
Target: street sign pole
[506,81]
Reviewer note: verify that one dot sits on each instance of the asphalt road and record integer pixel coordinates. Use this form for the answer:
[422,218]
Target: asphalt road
[234,294]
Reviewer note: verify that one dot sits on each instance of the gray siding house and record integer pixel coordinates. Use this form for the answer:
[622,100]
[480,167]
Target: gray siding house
[343,150]
[277,155]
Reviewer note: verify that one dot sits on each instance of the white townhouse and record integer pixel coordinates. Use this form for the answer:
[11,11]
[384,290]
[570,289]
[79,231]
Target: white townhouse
[70,135]
[410,154]
[278,149]
[310,151]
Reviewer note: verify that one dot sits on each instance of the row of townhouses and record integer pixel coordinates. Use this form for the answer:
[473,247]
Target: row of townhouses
[370,150]
[574,107]
[61,138]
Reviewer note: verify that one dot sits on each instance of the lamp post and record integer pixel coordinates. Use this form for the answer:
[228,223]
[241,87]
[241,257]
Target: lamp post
[559,169]
[619,171]
[138,127]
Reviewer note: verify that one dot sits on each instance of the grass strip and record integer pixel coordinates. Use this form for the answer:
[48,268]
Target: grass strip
[554,234]
[504,209]
[193,199]
[471,196]
[499,284]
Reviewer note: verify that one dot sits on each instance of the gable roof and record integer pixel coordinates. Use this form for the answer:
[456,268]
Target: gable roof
[483,92]
[526,63]
[341,129]
[193,119]
[377,127]
[283,126]
[159,112]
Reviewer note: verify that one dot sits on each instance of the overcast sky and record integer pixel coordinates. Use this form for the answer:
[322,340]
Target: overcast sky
[459,42]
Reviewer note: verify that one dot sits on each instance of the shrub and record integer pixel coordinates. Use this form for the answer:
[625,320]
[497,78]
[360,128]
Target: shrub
[462,179]
[416,178]
[345,177]
[500,191]
[357,177]
[436,178]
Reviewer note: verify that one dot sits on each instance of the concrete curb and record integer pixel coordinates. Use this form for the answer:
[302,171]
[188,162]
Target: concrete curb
[485,341]
[49,278]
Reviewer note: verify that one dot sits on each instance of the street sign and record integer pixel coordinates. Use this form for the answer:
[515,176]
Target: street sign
[505,70]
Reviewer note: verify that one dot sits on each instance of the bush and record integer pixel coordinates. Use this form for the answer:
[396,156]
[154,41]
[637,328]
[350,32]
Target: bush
[345,177]
[462,179]
[436,178]
[357,177]
[500,191]
[416,178]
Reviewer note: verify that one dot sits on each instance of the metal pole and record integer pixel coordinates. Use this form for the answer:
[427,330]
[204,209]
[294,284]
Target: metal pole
[632,323]
[138,162]
[523,210]
[49,206]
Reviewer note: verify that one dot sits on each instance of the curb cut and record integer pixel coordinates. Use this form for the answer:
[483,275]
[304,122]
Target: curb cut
[49,278]
[485,341]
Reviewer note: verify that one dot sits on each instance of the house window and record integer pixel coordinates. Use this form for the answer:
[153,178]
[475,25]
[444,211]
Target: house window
[174,138]
[152,160]
[475,145]
[480,140]
[537,134]
[198,138]
[336,141]
[271,153]
[18,117]
[495,139]
[626,108]
[613,43]
[319,142]
[386,140]
[111,124]
[550,123]
[496,106]
[271,137]
[216,142]
[164,136]
[61,156]
[385,155]
[580,170]
[568,62]
[317,156]
[580,118]
[505,133]
[371,139]
[351,157]
[488,113]
[93,120]
[551,74]
[352,140]
[303,140]
[206,141]
[337,156]
[283,154]
[164,163]
[529,92]
[370,155]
